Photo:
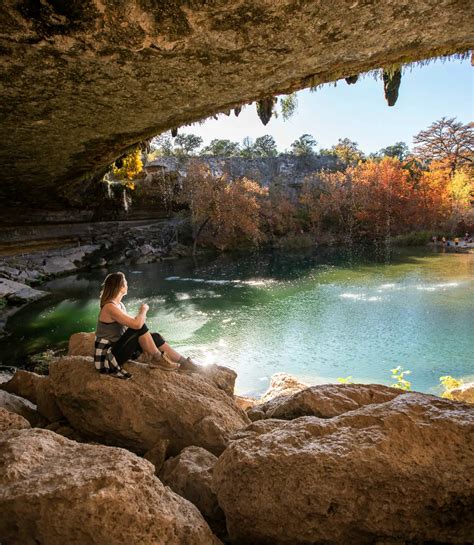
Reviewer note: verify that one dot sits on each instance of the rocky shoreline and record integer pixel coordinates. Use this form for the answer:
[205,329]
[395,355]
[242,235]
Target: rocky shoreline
[108,243]
[178,458]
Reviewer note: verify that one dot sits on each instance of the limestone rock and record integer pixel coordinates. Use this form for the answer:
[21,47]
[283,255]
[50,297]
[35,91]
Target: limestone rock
[23,384]
[464,393]
[391,470]
[12,421]
[20,406]
[282,384]
[157,454]
[82,344]
[18,293]
[186,409]
[190,475]
[37,389]
[245,402]
[58,265]
[327,400]
[55,491]
[46,401]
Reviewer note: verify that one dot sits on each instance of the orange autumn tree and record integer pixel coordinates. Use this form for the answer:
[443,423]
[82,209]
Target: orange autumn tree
[224,213]
[376,199]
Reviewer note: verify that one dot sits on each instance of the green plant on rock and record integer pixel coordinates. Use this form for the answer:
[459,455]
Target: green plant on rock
[345,380]
[449,383]
[399,375]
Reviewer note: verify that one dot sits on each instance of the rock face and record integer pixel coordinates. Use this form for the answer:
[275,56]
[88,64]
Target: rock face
[325,401]
[190,475]
[55,491]
[86,80]
[391,470]
[12,421]
[155,405]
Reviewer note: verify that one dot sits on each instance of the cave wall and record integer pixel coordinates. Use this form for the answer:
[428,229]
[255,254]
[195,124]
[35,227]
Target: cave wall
[82,81]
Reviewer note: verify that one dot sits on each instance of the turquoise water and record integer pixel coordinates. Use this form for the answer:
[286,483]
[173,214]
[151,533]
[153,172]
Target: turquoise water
[318,315]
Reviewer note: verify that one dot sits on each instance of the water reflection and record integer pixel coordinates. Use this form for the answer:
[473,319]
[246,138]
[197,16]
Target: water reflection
[319,315]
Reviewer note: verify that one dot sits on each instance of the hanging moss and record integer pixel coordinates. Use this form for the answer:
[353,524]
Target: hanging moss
[265,109]
[174,132]
[237,111]
[391,84]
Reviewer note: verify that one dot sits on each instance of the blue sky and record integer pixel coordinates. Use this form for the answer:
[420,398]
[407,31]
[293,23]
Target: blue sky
[360,111]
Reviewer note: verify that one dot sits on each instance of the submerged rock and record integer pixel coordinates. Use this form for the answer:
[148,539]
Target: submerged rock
[399,469]
[154,405]
[325,401]
[56,491]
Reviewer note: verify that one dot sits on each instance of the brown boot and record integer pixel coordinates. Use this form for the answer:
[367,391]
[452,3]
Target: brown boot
[186,364]
[161,361]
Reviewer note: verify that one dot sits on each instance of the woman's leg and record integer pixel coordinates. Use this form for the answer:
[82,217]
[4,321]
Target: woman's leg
[147,343]
[170,352]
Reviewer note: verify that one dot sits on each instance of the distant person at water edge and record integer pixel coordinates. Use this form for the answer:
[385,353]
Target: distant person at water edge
[120,337]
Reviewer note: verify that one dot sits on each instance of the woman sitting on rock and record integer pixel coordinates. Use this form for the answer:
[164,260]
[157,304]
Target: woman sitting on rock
[120,337]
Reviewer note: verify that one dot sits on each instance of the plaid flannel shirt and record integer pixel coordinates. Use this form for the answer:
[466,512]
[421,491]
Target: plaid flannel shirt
[104,360]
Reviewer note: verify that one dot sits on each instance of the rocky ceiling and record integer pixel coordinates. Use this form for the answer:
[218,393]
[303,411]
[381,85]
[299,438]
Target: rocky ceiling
[83,80]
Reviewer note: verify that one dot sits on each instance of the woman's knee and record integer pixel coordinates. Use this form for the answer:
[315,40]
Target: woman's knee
[141,331]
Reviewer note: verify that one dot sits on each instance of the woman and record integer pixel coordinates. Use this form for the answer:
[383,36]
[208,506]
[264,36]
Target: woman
[120,337]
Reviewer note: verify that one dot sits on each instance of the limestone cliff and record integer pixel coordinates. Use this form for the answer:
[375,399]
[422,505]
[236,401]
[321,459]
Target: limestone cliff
[82,81]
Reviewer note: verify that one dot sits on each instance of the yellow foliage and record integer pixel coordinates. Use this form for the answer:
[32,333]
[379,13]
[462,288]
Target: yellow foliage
[132,166]
[449,384]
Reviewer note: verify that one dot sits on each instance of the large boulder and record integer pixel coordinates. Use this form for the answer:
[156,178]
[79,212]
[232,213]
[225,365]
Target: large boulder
[190,475]
[55,491]
[154,405]
[399,469]
[82,344]
[465,393]
[325,401]
[12,421]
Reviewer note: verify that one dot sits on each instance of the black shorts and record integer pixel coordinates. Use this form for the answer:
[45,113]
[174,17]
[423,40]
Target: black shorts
[128,347]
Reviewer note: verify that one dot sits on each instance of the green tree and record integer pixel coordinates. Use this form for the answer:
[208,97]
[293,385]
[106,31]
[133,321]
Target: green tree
[347,151]
[187,143]
[304,145]
[246,149]
[264,146]
[162,145]
[399,150]
[221,148]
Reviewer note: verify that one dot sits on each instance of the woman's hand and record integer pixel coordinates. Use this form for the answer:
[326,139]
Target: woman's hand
[144,308]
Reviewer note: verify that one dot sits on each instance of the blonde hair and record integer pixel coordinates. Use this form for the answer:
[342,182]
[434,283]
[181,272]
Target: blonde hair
[111,286]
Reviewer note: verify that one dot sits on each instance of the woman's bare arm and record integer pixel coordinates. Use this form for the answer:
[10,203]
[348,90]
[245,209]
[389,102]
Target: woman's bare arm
[115,313]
